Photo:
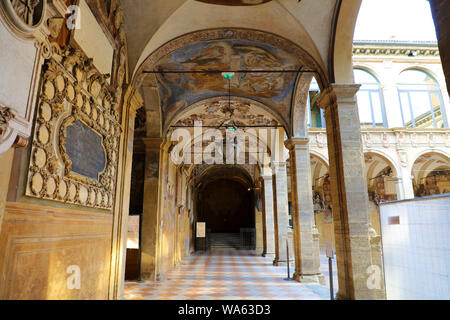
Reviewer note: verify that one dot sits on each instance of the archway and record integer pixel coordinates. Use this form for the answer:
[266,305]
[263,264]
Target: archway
[382,184]
[322,199]
[225,203]
[431,172]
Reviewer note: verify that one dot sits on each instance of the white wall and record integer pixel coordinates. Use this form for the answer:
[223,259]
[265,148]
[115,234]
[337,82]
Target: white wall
[17,60]
[417,250]
[93,41]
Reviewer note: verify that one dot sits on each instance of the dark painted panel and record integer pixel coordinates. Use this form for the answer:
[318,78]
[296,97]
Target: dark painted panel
[85,150]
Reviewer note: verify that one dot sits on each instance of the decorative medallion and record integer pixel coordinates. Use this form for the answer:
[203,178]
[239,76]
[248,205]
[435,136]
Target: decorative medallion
[25,15]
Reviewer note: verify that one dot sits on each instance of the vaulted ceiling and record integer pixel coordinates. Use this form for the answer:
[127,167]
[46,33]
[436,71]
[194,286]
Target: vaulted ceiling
[182,36]
[178,90]
[151,23]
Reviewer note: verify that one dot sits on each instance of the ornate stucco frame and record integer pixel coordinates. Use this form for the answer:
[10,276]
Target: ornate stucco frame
[73,90]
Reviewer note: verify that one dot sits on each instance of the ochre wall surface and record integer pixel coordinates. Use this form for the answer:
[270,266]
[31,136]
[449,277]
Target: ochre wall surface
[58,219]
[38,244]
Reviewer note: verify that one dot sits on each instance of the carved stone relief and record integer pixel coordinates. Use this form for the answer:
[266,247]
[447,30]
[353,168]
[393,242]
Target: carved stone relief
[73,92]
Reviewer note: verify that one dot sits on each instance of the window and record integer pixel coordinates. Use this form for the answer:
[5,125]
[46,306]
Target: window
[316,117]
[370,101]
[420,100]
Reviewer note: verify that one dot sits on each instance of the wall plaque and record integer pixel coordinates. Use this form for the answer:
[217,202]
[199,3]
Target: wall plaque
[201,229]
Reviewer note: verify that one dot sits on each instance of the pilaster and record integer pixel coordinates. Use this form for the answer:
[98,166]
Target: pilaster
[407,184]
[150,215]
[132,102]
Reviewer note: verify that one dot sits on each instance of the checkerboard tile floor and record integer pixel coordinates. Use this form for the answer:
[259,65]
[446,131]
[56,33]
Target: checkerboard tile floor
[225,274]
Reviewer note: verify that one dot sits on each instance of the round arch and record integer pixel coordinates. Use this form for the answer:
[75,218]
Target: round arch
[341,64]
[304,56]
[435,151]
[184,21]
[371,71]
[388,159]
[425,163]
[299,126]
[236,172]
[319,169]
[321,157]
[234,99]
[225,200]
[259,160]
[421,68]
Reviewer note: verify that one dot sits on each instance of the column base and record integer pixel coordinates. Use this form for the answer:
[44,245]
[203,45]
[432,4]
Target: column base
[160,276]
[268,255]
[280,262]
[310,278]
[148,276]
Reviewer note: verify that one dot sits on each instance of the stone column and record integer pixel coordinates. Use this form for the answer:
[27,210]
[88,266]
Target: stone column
[268,218]
[281,212]
[307,268]
[150,215]
[349,190]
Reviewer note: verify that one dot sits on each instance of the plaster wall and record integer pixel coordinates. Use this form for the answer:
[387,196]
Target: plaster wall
[93,41]
[416,246]
[16,68]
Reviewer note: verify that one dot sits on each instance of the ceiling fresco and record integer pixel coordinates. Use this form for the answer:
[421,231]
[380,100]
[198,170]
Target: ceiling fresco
[179,90]
[214,113]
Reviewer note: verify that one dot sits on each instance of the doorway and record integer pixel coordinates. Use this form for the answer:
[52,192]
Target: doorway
[225,203]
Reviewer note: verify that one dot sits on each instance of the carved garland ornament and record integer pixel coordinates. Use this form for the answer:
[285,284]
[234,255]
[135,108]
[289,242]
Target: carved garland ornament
[73,91]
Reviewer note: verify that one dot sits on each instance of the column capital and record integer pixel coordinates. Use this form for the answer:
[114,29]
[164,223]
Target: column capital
[133,99]
[338,92]
[278,165]
[294,142]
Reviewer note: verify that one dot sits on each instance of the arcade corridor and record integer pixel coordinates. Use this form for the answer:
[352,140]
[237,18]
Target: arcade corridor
[134,134]
[228,274]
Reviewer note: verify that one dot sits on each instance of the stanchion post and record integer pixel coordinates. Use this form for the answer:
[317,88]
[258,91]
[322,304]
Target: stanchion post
[330,255]
[288,270]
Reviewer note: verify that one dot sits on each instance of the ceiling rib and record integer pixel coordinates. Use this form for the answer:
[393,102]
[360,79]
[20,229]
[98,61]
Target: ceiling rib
[235,71]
